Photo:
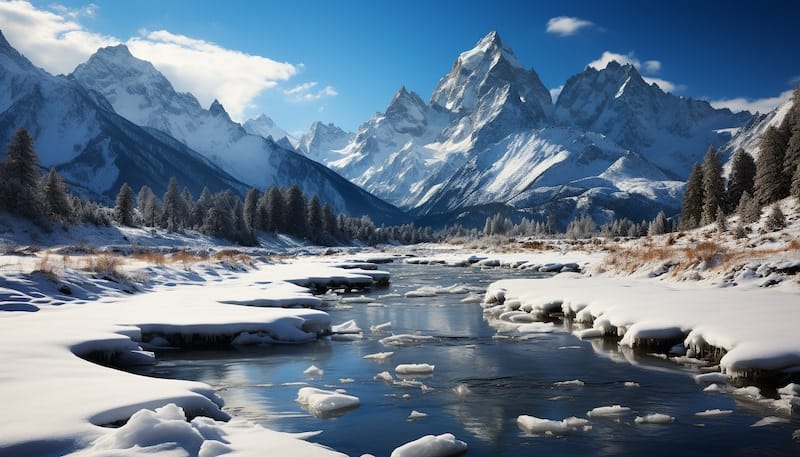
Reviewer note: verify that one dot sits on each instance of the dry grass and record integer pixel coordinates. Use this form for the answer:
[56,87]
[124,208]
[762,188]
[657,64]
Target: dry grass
[234,256]
[150,257]
[105,264]
[46,266]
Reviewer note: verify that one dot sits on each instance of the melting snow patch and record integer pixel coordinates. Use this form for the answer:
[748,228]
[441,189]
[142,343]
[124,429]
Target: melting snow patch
[609,411]
[655,418]
[714,413]
[770,420]
[537,426]
[379,356]
[325,403]
[414,368]
[444,445]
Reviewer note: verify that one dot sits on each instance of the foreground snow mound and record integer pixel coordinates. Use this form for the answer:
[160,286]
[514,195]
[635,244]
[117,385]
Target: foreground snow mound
[166,431]
[537,426]
[444,445]
[326,403]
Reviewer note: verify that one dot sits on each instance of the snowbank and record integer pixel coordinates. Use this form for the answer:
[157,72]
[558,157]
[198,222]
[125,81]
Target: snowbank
[444,445]
[754,327]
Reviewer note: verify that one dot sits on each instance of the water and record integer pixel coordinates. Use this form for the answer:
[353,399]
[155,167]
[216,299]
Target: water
[505,378]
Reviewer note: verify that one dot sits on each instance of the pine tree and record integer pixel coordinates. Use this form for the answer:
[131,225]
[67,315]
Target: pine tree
[57,202]
[276,210]
[148,206]
[314,220]
[329,223]
[123,208]
[792,158]
[20,181]
[296,212]
[713,186]
[659,224]
[721,221]
[776,219]
[770,182]
[251,210]
[745,209]
[187,208]
[796,183]
[692,207]
[171,209]
[741,178]
[204,202]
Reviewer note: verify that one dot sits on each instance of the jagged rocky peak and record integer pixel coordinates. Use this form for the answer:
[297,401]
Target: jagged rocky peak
[490,73]
[216,109]
[407,106]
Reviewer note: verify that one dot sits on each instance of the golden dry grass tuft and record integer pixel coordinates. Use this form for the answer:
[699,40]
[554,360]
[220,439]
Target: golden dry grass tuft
[105,264]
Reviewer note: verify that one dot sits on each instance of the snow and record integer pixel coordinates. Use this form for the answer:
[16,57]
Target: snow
[379,356]
[192,304]
[537,426]
[572,383]
[324,403]
[314,371]
[416,415]
[414,368]
[406,339]
[714,413]
[609,411]
[444,445]
[655,418]
[631,384]
[770,421]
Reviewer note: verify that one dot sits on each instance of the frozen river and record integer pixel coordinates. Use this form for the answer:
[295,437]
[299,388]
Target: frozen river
[483,380]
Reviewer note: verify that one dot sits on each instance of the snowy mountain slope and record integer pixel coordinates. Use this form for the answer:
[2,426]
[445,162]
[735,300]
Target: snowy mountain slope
[143,95]
[264,126]
[95,149]
[490,137]
[672,132]
[323,142]
[748,136]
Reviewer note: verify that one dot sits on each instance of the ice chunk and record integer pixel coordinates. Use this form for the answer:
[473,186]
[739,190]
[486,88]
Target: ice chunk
[714,388]
[537,426]
[472,298]
[609,411]
[314,371]
[631,384]
[384,376]
[416,415]
[346,380]
[712,378]
[359,299]
[379,356]
[770,420]
[444,445]
[536,327]
[655,418]
[749,393]
[422,292]
[346,331]
[380,327]
[461,390]
[714,413]
[790,390]
[406,340]
[572,383]
[325,403]
[414,368]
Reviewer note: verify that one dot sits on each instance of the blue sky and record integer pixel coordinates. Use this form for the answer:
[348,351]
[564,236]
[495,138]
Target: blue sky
[341,62]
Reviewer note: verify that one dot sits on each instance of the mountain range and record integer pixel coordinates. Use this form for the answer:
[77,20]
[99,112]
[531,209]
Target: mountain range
[489,139]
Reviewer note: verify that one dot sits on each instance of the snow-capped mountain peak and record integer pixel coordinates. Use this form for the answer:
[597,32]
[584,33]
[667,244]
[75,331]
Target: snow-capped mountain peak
[217,110]
[263,125]
[323,142]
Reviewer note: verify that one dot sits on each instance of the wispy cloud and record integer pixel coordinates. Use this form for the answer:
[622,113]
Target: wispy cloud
[306,92]
[55,40]
[566,25]
[648,67]
[210,71]
[761,105]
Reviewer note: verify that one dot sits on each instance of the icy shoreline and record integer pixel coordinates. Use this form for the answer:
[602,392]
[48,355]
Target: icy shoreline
[58,402]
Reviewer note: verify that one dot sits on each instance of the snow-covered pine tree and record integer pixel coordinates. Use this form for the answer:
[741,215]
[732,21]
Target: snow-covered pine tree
[123,207]
[187,207]
[148,205]
[713,186]
[740,180]
[56,200]
[770,182]
[792,158]
[692,207]
[796,183]
[659,224]
[776,220]
[745,209]
[171,209]
[721,221]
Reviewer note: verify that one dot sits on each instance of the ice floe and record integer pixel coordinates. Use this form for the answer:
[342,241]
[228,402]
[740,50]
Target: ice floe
[325,403]
[654,418]
[444,445]
[538,426]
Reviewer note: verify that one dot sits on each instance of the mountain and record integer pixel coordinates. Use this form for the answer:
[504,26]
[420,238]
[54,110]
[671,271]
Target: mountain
[95,149]
[140,93]
[264,126]
[323,142]
[490,139]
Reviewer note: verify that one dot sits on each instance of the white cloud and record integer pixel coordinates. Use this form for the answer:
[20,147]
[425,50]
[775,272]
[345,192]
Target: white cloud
[210,71]
[666,86]
[52,41]
[57,42]
[761,105]
[608,57]
[305,92]
[555,92]
[566,26]
[651,66]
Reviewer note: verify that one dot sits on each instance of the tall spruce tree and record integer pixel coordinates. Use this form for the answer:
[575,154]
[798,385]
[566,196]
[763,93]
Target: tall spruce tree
[123,208]
[329,223]
[57,203]
[740,180]
[250,211]
[171,209]
[204,202]
[713,186]
[148,206]
[314,220]
[296,212]
[770,183]
[792,158]
[692,207]
[276,209]
[20,184]
[796,183]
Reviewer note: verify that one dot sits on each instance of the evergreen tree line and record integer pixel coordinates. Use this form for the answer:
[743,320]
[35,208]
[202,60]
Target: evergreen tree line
[751,184]
[42,199]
